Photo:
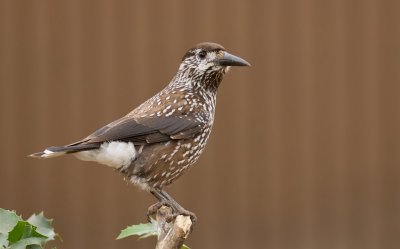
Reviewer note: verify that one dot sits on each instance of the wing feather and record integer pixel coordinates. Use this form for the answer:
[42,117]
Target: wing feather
[144,130]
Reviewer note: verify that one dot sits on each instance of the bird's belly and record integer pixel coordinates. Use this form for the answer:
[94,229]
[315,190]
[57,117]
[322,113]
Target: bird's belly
[160,164]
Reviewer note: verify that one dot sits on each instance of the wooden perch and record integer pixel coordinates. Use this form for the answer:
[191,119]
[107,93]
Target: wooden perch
[171,233]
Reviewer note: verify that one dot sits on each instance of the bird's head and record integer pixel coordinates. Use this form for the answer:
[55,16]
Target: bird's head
[207,62]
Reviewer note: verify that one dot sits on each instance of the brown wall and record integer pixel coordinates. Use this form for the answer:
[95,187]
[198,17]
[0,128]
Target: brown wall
[305,151]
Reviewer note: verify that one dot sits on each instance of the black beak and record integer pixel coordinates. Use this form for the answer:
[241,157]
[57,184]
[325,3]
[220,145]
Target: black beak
[232,60]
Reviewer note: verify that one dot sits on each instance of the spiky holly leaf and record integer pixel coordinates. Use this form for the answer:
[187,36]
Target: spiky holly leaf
[44,225]
[22,231]
[33,243]
[16,233]
[141,230]
[3,241]
[8,220]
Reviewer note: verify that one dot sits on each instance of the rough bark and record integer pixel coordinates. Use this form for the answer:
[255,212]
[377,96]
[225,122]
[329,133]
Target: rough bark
[172,233]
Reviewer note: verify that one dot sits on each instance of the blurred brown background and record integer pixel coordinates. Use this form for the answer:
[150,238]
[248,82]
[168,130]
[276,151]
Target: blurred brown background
[305,149]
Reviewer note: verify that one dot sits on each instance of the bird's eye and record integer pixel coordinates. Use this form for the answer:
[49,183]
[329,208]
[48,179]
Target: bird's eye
[202,54]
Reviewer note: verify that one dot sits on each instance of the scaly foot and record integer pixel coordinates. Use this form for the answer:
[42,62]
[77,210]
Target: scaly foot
[152,211]
[183,212]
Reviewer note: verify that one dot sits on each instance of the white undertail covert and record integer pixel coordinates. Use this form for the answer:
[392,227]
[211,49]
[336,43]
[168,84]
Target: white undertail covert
[114,154]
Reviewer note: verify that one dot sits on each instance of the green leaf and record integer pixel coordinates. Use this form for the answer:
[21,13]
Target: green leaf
[185,247]
[22,244]
[3,241]
[16,233]
[35,247]
[44,225]
[24,230]
[8,220]
[142,230]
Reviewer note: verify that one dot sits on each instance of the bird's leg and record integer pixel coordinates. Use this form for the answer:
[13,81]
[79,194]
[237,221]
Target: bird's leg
[162,201]
[165,199]
[179,210]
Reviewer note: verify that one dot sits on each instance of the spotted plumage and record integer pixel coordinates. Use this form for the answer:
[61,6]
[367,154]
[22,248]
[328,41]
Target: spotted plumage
[158,141]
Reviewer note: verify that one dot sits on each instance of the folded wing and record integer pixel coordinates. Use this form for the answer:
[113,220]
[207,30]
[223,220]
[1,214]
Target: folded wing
[143,131]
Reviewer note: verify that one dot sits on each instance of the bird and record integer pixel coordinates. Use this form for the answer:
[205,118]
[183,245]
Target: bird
[158,141]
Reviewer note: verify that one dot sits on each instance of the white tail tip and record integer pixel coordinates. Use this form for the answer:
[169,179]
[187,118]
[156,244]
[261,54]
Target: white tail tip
[47,154]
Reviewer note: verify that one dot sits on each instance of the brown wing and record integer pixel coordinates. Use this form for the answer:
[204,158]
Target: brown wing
[144,130]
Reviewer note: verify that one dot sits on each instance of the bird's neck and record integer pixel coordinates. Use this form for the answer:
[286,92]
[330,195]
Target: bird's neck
[208,81]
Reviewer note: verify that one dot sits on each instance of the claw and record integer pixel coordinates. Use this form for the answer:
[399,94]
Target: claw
[152,210]
[183,212]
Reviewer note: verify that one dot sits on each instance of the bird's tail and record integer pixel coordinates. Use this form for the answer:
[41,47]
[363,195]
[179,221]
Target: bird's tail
[56,151]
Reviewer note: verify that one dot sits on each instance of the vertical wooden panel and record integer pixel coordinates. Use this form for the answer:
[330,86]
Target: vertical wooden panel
[305,148]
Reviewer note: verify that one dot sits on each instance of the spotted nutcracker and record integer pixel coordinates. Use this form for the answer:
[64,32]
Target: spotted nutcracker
[158,141]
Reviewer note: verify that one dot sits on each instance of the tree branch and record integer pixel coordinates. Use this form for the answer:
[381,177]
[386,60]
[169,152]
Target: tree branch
[171,233]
